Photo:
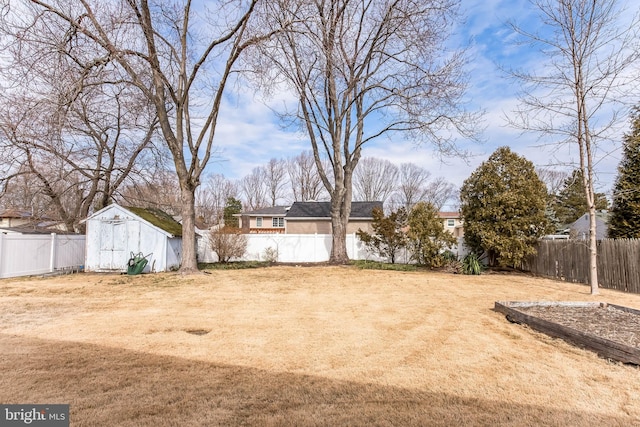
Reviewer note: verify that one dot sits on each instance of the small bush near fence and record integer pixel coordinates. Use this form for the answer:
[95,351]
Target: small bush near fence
[618,262]
[228,242]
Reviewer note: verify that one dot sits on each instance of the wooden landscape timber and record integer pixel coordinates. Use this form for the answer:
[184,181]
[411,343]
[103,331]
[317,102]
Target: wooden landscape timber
[604,347]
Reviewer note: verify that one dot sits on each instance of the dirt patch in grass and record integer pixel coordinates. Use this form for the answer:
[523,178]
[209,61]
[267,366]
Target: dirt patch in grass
[303,346]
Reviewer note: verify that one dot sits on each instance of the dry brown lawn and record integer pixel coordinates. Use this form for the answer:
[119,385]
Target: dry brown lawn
[303,346]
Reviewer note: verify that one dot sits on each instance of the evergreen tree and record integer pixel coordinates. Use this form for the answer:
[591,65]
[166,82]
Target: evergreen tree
[388,233]
[503,207]
[427,238]
[232,207]
[571,202]
[624,221]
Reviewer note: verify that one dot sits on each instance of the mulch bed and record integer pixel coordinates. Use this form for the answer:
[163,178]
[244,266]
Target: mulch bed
[610,330]
[604,321]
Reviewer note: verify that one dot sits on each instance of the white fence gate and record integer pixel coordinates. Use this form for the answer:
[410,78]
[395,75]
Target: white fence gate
[30,254]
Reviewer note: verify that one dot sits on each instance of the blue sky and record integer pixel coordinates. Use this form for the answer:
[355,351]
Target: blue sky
[249,133]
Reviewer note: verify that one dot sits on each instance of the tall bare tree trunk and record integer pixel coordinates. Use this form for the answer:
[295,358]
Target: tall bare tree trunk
[340,212]
[189,252]
[593,252]
[586,164]
[338,241]
[587,176]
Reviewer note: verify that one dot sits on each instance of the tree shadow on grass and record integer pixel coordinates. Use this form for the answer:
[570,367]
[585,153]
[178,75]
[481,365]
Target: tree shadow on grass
[109,386]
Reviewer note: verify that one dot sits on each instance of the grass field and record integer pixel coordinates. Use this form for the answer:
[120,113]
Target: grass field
[303,346]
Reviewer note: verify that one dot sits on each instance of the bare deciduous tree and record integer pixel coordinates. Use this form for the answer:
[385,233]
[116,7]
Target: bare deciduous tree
[159,190]
[554,179]
[438,192]
[212,196]
[306,184]
[254,189]
[362,69]
[275,176]
[412,186]
[374,179]
[67,120]
[180,60]
[588,50]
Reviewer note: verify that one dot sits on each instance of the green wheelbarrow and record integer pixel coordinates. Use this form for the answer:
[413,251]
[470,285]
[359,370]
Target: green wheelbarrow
[137,263]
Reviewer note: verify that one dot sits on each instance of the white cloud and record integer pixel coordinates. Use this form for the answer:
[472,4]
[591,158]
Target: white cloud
[249,132]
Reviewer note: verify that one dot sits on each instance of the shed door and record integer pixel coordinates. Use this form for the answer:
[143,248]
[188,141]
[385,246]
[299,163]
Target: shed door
[113,245]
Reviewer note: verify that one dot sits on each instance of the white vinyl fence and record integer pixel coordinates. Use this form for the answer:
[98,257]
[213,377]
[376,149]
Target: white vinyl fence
[31,254]
[301,248]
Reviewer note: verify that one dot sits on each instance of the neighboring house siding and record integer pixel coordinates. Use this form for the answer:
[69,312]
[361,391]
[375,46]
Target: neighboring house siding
[455,228]
[263,222]
[308,227]
[15,222]
[452,223]
[354,226]
[305,218]
[324,226]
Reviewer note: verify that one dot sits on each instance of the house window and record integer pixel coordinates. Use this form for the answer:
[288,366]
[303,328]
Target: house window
[259,221]
[278,222]
[451,222]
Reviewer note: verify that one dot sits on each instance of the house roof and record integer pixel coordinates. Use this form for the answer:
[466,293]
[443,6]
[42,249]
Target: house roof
[18,214]
[449,215]
[581,225]
[307,210]
[159,218]
[14,213]
[270,211]
[34,229]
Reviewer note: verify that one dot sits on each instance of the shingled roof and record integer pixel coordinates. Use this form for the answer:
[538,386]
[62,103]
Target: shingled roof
[269,211]
[322,210]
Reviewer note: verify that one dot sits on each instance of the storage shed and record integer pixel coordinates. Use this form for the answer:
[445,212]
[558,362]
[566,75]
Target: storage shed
[116,232]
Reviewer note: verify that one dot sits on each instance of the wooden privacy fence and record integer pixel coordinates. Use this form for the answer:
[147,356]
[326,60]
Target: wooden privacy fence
[618,262]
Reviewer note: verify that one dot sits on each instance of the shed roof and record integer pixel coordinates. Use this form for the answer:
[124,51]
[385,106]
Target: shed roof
[308,210]
[159,218]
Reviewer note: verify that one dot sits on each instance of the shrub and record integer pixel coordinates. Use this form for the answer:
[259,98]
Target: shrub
[426,237]
[270,254]
[228,242]
[471,264]
[388,233]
